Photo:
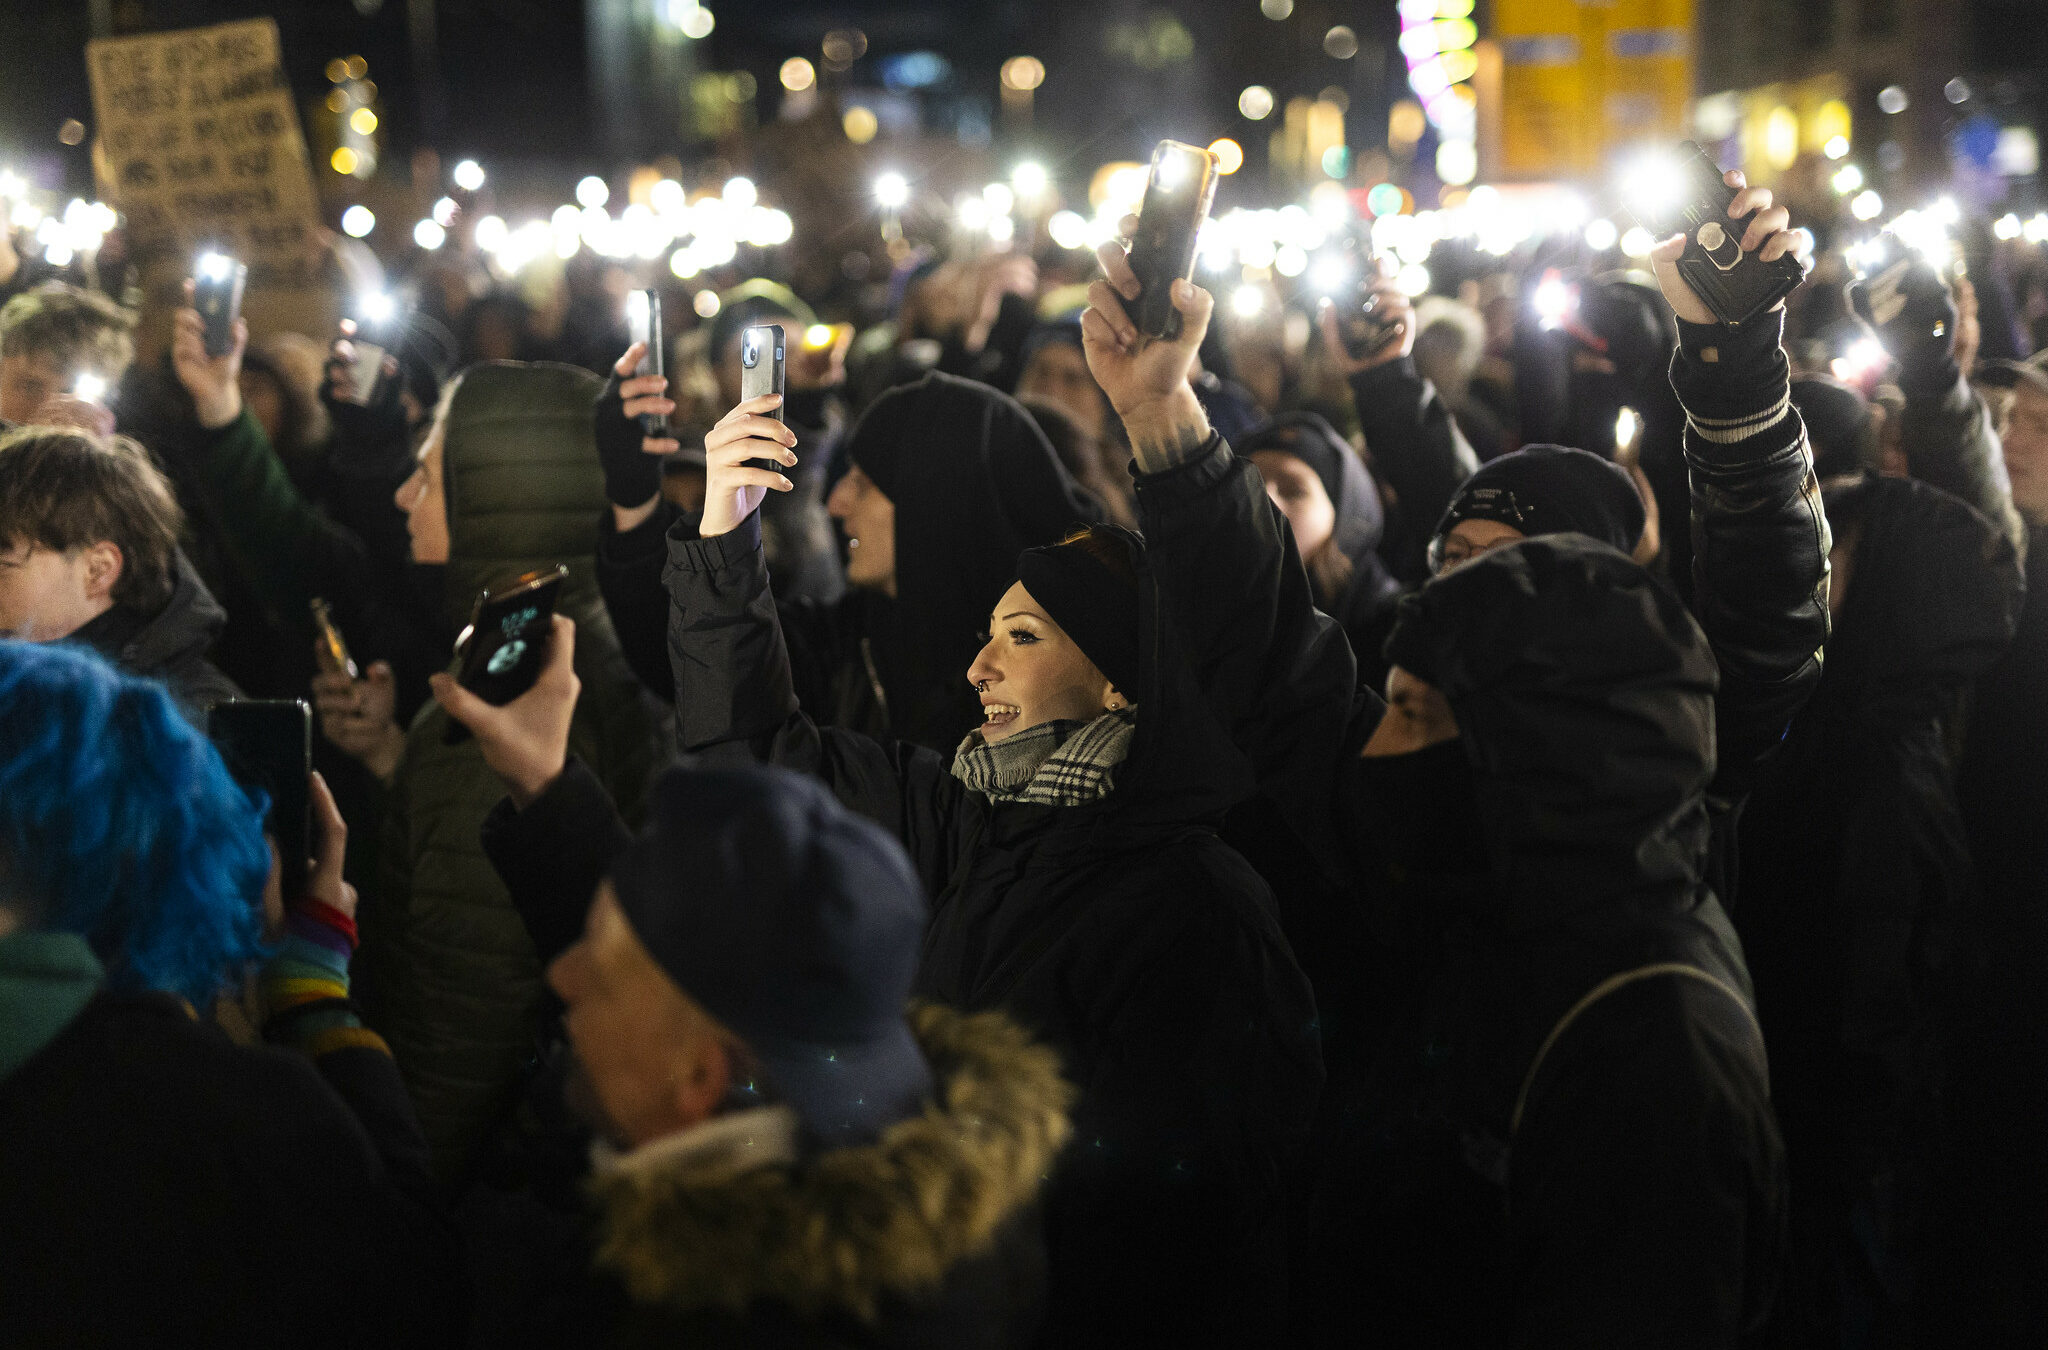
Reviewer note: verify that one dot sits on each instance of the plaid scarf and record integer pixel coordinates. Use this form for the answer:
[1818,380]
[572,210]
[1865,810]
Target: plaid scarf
[1052,764]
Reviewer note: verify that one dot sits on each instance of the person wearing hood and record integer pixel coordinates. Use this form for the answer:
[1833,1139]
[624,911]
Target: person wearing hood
[785,1155]
[507,483]
[89,554]
[1857,883]
[1078,885]
[162,1184]
[947,481]
[1285,681]
[1566,1137]
[1333,506]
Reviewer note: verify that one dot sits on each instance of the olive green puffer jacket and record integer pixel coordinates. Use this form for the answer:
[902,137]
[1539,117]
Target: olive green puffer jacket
[446,971]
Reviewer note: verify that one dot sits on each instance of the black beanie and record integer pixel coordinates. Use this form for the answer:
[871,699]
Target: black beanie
[1837,424]
[1550,489]
[1089,599]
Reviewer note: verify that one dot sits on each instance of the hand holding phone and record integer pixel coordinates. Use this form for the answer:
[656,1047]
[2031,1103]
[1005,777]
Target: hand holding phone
[1903,299]
[504,648]
[763,371]
[217,294]
[1178,192]
[1736,259]
[526,741]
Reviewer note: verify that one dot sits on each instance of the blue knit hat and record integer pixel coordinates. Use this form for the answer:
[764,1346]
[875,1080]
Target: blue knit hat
[796,924]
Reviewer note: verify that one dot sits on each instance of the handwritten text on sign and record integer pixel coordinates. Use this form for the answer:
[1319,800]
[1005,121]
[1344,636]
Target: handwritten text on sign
[201,143]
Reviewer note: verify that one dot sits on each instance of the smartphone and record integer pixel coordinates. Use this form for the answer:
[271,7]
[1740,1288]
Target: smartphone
[217,295]
[1362,323]
[501,653]
[761,372]
[1887,270]
[268,743]
[334,657]
[644,314]
[366,369]
[1178,192]
[1687,194]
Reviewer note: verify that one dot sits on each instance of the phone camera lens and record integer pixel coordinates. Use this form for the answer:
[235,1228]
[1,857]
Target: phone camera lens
[750,355]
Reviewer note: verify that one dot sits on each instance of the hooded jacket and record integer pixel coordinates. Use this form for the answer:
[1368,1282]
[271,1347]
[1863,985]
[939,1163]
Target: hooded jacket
[1123,933]
[170,645]
[974,482]
[1553,850]
[1365,607]
[446,971]
[1857,875]
[164,1186]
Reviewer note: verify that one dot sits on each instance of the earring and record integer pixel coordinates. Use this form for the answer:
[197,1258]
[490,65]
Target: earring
[1116,705]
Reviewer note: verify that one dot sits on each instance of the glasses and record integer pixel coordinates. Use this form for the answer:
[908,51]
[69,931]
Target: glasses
[1448,550]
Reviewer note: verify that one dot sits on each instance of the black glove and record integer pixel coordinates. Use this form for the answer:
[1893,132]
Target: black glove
[371,439]
[631,475]
[1909,308]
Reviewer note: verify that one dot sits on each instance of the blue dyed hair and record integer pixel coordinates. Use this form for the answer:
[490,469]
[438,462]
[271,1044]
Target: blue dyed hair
[119,822]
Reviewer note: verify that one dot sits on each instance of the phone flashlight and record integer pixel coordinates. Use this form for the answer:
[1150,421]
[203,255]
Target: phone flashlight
[1655,186]
[89,387]
[376,306]
[215,266]
[1553,302]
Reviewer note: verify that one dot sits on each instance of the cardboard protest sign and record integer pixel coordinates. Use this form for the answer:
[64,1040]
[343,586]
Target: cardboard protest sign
[200,148]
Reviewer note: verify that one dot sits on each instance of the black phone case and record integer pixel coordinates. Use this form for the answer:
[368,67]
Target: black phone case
[1159,257]
[766,376]
[219,303]
[654,363]
[502,652]
[268,744]
[1735,285]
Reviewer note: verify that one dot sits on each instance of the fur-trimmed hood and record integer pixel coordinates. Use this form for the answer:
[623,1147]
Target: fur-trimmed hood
[691,1229]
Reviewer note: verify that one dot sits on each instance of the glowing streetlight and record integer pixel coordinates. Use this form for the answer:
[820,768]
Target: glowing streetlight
[798,74]
[469,175]
[892,191]
[593,192]
[358,221]
[1256,102]
[429,235]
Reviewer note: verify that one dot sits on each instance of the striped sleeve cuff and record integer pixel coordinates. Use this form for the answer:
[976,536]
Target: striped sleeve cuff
[1733,381]
[305,985]
[1732,430]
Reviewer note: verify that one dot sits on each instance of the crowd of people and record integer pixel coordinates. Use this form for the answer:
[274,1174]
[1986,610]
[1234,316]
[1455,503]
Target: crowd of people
[1532,833]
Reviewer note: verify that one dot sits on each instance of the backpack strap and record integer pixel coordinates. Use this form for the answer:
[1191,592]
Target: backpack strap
[1602,990]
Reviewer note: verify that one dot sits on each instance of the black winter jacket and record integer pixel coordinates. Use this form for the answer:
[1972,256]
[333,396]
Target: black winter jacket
[1565,1138]
[162,1186]
[170,645]
[1417,450]
[1857,880]
[1123,933]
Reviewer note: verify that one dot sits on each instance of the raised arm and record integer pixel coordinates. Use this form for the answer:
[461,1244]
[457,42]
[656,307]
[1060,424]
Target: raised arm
[1947,431]
[1278,672]
[1416,447]
[735,695]
[1760,566]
